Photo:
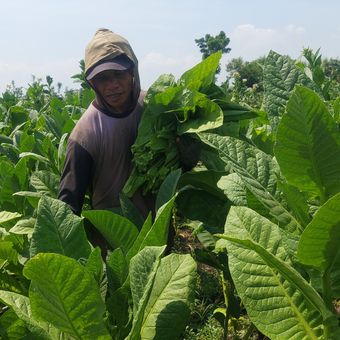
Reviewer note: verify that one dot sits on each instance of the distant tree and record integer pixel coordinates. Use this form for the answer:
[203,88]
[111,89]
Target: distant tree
[80,77]
[209,45]
[324,73]
[250,72]
[245,81]
[332,68]
[10,97]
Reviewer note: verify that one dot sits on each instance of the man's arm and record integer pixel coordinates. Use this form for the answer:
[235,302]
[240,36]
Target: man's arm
[76,176]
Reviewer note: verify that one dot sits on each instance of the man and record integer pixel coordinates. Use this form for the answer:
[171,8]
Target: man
[98,158]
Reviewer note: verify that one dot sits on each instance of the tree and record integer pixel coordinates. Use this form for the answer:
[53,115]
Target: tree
[209,45]
[249,71]
[332,68]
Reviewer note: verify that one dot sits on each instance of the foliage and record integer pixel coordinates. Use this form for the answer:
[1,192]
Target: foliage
[263,203]
[258,245]
[209,45]
[80,77]
[55,305]
[250,72]
[331,68]
[245,81]
[42,242]
[173,111]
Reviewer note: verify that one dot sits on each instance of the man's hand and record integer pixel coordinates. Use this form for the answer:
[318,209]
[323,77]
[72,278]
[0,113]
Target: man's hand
[189,151]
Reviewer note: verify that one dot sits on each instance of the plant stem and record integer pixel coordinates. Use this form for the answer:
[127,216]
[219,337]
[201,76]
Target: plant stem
[327,291]
[250,331]
[226,293]
[327,296]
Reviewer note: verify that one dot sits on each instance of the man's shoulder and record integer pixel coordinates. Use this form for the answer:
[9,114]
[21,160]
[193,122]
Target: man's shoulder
[86,126]
[90,113]
[89,116]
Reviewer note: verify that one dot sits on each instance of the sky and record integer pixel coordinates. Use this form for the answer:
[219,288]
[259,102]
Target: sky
[48,37]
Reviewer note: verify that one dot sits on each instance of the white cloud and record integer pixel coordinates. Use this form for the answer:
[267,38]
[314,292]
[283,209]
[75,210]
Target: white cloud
[251,42]
[251,36]
[155,59]
[293,29]
[22,72]
[153,64]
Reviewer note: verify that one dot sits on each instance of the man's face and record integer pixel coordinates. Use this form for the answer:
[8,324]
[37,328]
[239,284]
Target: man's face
[115,87]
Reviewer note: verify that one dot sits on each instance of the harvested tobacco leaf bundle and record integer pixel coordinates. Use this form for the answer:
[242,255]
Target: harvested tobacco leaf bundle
[172,110]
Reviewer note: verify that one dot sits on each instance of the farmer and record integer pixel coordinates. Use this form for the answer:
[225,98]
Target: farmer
[98,157]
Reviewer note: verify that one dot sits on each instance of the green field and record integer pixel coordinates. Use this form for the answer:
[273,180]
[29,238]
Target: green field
[257,220]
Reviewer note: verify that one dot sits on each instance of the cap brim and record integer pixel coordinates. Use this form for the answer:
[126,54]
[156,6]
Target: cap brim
[121,65]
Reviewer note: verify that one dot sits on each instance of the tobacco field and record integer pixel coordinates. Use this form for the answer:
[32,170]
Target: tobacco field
[257,220]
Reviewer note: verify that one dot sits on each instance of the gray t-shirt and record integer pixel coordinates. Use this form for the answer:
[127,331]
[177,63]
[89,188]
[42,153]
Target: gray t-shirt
[98,159]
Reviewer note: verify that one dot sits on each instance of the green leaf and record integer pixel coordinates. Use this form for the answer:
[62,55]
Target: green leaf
[4,138]
[205,237]
[7,217]
[158,104]
[65,294]
[163,82]
[116,269]
[203,179]
[308,145]
[45,182]
[94,264]
[86,97]
[24,227]
[140,238]
[142,275]
[62,150]
[23,141]
[7,252]
[34,156]
[278,300]
[297,202]
[336,109]
[319,243]
[119,306]
[168,188]
[168,308]
[58,230]
[32,197]
[130,211]
[280,75]
[258,171]
[11,327]
[208,115]
[234,112]
[234,188]
[12,282]
[18,115]
[22,308]
[155,234]
[142,270]
[21,171]
[118,231]
[201,76]
[211,159]
[196,204]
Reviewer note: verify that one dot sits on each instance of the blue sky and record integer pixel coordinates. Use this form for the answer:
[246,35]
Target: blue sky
[45,37]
